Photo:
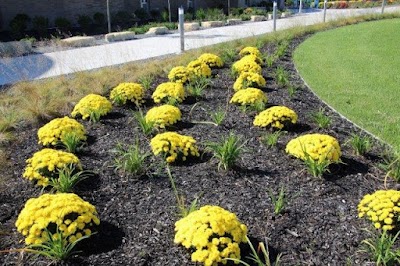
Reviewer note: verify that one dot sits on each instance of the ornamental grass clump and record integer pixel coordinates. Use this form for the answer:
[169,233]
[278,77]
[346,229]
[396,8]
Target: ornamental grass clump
[163,116]
[248,79]
[133,92]
[46,164]
[180,74]
[382,208]
[169,92]
[63,213]
[212,233]
[199,69]
[212,60]
[250,97]
[276,117]
[92,106]
[246,64]
[58,130]
[173,146]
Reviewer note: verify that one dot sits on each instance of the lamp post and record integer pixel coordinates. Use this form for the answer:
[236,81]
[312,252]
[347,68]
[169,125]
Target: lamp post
[274,7]
[108,16]
[325,3]
[301,6]
[169,11]
[383,6]
[181,28]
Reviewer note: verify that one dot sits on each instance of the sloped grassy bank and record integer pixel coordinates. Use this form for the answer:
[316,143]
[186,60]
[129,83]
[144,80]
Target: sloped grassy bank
[319,224]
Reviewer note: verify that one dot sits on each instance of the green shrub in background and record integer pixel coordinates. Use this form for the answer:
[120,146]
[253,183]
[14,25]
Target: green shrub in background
[19,24]
[40,25]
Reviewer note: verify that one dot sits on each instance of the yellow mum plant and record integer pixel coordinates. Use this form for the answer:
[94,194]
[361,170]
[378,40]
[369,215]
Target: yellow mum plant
[382,208]
[211,60]
[46,163]
[246,64]
[63,213]
[164,115]
[275,117]
[54,132]
[213,233]
[127,91]
[169,91]
[174,146]
[199,69]
[249,97]
[179,74]
[248,79]
[250,50]
[318,147]
[92,106]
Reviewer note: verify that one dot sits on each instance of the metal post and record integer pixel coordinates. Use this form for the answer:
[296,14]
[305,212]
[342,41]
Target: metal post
[383,5]
[108,17]
[229,7]
[301,6]
[181,28]
[274,14]
[325,4]
[169,12]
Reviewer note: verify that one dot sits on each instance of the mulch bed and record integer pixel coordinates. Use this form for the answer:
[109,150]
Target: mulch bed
[319,226]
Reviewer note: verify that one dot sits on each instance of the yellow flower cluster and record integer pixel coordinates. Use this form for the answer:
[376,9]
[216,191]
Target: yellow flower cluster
[211,60]
[199,69]
[164,115]
[73,217]
[167,91]
[127,91]
[180,74]
[249,96]
[246,64]
[248,79]
[382,208]
[46,163]
[54,132]
[214,234]
[275,117]
[319,147]
[250,50]
[174,146]
[92,103]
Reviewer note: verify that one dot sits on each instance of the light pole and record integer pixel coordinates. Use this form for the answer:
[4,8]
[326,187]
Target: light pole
[301,6]
[108,17]
[181,28]
[169,11]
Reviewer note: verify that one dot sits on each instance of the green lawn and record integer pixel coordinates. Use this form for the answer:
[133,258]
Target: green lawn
[356,70]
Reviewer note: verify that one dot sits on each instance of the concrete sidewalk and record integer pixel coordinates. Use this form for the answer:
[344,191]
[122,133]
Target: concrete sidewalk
[46,65]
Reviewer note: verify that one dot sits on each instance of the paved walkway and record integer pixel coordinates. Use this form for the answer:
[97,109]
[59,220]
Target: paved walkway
[52,64]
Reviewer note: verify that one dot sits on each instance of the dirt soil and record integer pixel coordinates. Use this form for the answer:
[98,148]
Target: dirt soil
[319,225]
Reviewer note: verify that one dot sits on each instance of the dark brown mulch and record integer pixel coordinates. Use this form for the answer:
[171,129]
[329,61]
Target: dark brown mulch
[319,226]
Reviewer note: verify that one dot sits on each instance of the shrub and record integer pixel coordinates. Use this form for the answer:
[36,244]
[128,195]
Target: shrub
[174,146]
[382,208]
[19,24]
[318,147]
[46,164]
[248,79]
[124,92]
[199,69]
[249,97]
[93,106]
[62,23]
[40,24]
[85,22]
[99,19]
[57,130]
[65,212]
[249,50]
[179,74]
[214,234]
[169,92]
[164,115]
[276,117]
[211,60]
[246,64]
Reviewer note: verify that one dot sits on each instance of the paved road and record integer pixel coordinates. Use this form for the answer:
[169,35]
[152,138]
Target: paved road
[52,64]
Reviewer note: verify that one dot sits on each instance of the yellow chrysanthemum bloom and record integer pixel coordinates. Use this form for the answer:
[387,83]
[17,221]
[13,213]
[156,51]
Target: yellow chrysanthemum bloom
[246,64]
[72,216]
[275,117]
[248,80]
[46,163]
[213,233]
[174,146]
[133,92]
[319,147]
[211,60]
[180,74]
[249,97]
[91,106]
[382,208]
[199,69]
[57,129]
[250,50]
[164,115]
[168,91]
